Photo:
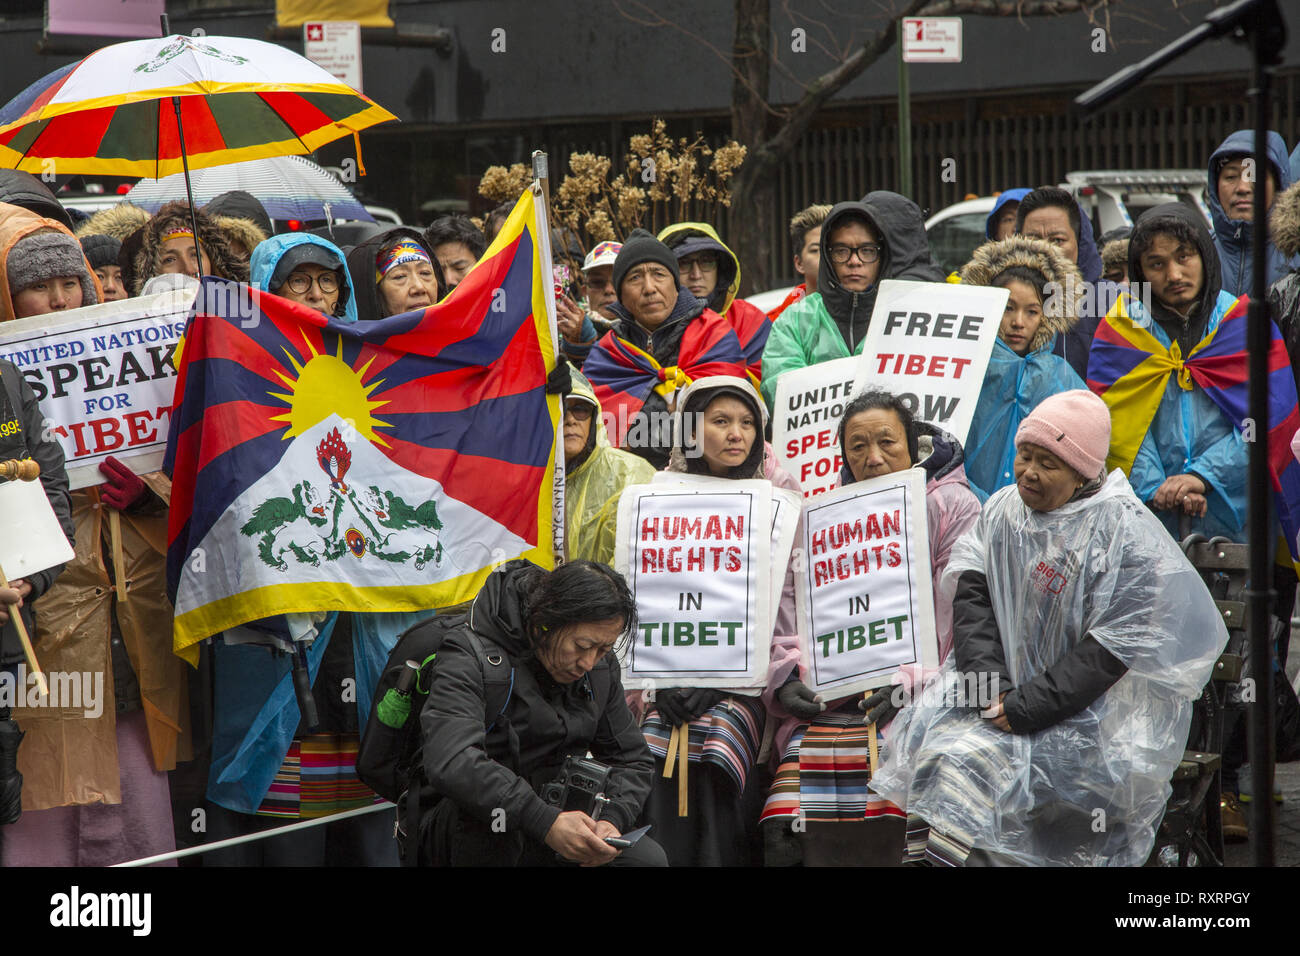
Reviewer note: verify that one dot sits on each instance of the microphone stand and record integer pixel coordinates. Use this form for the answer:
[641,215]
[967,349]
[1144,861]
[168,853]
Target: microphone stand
[1258,23]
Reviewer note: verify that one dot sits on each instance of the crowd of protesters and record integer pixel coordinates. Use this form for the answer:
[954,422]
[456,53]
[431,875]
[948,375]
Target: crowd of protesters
[1096,678]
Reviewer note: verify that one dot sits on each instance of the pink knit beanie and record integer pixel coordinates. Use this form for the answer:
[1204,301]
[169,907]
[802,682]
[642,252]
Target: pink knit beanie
[1074,426]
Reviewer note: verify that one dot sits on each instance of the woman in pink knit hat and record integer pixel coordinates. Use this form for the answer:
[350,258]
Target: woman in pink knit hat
[1081,635]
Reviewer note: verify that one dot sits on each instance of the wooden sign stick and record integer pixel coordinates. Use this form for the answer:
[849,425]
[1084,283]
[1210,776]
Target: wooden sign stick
[16,615]
[683,758]
[671,759]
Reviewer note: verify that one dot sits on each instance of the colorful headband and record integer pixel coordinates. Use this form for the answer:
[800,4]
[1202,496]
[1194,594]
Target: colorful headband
[407,250]
[181,233]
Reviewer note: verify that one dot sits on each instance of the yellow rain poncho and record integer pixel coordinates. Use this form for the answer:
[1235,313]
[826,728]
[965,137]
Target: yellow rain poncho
[592,488]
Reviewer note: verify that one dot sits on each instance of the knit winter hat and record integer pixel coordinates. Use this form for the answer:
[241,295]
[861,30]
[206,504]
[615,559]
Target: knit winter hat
[44,255]
[101,250]
[1074,426]
[641,247]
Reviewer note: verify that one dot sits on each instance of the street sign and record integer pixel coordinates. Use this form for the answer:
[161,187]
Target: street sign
[932,39]
[335,45]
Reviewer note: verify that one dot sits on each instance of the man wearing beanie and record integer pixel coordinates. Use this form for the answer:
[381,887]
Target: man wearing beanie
[662,340]
[101,252]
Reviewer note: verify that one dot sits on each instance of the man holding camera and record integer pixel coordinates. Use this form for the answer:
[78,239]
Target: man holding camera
[523,688]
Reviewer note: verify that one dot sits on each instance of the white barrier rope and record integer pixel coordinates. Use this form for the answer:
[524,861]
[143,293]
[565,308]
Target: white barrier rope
[262,835]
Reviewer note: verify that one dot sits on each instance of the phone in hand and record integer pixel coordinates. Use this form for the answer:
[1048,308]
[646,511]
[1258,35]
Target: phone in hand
[627,839]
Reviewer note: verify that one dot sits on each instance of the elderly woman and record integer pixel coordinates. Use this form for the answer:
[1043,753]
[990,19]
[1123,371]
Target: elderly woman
[595,474]
[305,269]
[396,272]
[1084,635]
[726,419]
[878,436]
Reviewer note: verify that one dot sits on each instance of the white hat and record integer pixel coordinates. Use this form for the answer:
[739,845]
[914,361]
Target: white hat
[603,255]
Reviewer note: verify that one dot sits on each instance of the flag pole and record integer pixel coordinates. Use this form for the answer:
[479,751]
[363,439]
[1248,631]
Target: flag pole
[542,177]
[185,164]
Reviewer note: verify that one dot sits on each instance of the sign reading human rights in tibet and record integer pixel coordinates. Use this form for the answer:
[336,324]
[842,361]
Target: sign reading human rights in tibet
[104,377]
[864,595]
[698,563]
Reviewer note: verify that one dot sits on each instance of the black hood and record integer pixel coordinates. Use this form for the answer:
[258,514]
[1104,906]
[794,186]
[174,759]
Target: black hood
[23,189]
[697,402]
[905,255]
[238,204]
[1190,331]
[500,609]
[362,262]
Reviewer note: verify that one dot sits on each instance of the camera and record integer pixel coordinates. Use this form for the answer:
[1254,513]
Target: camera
[580,786]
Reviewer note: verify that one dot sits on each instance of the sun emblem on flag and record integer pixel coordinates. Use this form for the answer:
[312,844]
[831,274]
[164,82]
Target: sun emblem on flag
[327,385]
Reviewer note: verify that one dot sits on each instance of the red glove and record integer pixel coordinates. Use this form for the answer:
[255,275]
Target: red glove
[123,487]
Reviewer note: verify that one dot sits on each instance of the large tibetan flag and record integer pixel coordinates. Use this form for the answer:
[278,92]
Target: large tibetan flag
[625,376]
[377,466]
[1129,368]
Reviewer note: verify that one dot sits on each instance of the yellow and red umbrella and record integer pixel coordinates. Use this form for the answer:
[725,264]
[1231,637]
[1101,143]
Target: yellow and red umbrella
[240,99]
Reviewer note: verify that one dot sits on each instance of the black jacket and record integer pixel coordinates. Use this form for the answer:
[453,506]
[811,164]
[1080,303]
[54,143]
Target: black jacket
[21,428]
[664,344]
[464,762]
[897,221]
[1061,691]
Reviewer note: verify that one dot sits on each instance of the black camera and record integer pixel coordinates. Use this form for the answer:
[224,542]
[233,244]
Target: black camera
[580,786]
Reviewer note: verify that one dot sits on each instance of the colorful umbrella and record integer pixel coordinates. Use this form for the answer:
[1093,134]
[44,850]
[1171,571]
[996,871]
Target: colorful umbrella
[290,187]
[240,99]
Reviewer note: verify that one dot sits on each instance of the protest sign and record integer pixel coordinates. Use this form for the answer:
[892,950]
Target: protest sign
[929,343]
[805,424]
[32,540]
[104,378]
[863,587]
[698,562]
[786,506]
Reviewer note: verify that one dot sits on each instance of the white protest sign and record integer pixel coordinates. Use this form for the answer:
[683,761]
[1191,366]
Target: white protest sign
[698,563]
[863,589]
[32,539]
[929,343]
[806,419]
[785,522]
[104,379]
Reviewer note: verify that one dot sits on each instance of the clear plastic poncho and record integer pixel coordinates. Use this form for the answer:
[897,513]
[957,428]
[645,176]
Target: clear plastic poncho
[1091,789]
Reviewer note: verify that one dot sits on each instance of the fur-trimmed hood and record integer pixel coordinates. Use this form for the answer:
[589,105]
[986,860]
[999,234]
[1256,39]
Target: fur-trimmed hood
[117,221]
[176,215]
[1066,285]
[244,230]
[1284,221]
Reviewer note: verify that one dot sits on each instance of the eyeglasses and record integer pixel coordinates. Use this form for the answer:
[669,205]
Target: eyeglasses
[300,282]
[579,410]
[868,253]
[703,263]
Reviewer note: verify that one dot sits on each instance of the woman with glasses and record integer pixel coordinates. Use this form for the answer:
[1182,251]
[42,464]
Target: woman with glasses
[595,474]
[305,269]
[881,237]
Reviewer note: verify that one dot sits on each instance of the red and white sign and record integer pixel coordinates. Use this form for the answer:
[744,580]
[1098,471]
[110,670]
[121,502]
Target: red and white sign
[932,40]
[806,420]
[335,45]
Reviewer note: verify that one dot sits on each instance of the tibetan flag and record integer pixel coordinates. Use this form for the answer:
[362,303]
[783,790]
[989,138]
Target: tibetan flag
[625,376]
[1129,367]
[378,466]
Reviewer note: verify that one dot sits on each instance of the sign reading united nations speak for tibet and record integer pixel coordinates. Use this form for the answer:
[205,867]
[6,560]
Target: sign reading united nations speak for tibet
[104,378]
[865,602]
[698,562]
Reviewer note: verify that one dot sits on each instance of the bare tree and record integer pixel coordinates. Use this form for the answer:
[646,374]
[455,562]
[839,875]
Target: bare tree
[771,132]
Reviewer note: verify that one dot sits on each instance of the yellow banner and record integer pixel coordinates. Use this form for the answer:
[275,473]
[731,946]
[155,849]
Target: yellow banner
[369,13]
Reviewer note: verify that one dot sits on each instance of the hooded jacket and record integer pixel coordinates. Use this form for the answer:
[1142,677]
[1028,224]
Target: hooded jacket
[1011,195]
[267,256]
[832,322]
[362,262]
[469,764]
[1284,295]
[176,215]
[238,204]
[1189,434]
[17,223]
[244,231]
[1233,237]
[749,322]
[1015,384]
[117,221]
[20,188]
[592,488]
